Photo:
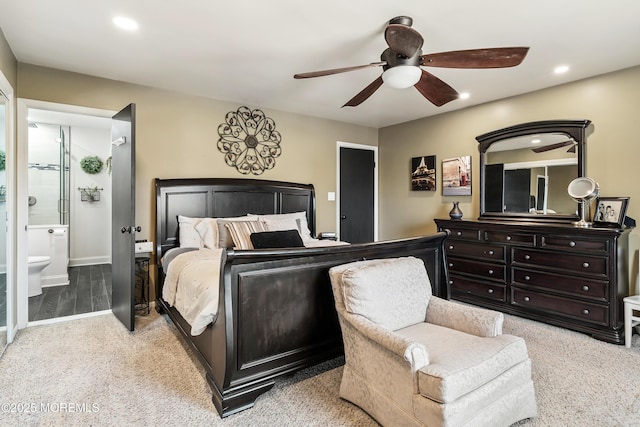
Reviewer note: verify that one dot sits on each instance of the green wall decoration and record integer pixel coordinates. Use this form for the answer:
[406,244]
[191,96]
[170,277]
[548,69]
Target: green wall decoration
[91,164]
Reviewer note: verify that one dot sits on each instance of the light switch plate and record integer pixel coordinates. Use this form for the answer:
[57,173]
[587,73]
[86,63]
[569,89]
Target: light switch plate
[331,196]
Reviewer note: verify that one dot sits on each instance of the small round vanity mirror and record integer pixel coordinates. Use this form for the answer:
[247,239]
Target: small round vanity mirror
[582,190]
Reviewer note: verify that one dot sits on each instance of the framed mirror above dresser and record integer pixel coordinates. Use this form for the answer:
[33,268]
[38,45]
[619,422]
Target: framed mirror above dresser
[525,169]
[523,255]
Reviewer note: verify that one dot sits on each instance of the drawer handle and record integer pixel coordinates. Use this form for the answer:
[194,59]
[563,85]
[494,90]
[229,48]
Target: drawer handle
[490,291]
[490,271]
[585,288]
[527,277]
[451,247]
[459,233]
[585,311]
[572,244]
[508,238]
[585,264]
[526,299]
[490,252]
[527,257]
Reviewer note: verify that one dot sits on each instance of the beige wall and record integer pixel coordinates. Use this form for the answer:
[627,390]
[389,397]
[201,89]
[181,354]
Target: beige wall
[8,63]
[177,136]
[611,101]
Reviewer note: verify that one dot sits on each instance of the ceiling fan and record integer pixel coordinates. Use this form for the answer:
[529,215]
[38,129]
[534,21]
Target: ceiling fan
[402,60]
[550,147]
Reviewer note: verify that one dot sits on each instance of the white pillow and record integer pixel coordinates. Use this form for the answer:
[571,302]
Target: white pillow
[282,224]
[189,237]
[299,218]
[208,229]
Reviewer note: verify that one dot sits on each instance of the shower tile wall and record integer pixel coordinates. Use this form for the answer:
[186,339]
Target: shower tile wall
[44,172]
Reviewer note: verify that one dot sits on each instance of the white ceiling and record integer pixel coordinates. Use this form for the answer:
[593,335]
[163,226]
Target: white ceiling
[247,51]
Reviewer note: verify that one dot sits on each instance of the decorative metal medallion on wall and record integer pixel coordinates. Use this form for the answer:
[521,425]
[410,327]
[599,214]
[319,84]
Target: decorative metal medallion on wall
[249,141]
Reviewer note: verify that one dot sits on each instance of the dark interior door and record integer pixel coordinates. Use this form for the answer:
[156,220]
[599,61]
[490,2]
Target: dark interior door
[493,188]
[123,214]
[517,190]
[356,195]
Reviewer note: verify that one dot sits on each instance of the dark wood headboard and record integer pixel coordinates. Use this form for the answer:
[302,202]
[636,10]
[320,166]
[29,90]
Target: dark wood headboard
[225,197]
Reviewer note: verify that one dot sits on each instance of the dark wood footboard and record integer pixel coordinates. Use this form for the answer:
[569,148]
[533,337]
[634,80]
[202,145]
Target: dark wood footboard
[277,314]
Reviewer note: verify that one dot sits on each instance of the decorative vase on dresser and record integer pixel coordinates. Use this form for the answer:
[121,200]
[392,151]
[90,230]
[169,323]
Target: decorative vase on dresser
[524,256]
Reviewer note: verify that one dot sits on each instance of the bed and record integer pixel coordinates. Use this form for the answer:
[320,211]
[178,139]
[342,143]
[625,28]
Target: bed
[275,312]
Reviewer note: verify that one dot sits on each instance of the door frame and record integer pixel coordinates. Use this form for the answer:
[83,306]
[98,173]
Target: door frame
[374,148]
[22,190]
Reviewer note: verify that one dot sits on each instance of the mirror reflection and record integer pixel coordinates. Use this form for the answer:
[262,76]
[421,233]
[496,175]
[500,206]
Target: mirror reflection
[530,174]
[3,227]
[525,170]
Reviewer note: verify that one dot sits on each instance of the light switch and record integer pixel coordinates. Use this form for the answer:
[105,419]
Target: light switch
[331,196]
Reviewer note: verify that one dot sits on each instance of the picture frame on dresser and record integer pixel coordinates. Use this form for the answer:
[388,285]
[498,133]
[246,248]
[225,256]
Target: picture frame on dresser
[610,211]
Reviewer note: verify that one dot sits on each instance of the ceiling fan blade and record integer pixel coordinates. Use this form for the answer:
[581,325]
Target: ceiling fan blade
[499,57]
[435,90]
[403,39]
[554,146]
[364,93]
[337,70]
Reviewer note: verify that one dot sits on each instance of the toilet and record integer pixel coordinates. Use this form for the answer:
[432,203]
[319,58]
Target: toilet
[36,265]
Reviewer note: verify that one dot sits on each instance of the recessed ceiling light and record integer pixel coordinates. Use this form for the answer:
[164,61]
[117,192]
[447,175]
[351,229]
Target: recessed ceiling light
[561,69]
[125,23]
[535,141]
[464,95]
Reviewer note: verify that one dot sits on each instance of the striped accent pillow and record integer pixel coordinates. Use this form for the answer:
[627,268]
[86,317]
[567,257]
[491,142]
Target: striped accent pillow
[240,232]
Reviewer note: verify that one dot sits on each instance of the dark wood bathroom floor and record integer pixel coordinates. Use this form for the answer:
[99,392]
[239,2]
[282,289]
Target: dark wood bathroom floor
[89,290]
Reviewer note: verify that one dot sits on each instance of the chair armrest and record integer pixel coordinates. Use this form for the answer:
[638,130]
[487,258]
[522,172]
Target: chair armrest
[413,352]
[472,320]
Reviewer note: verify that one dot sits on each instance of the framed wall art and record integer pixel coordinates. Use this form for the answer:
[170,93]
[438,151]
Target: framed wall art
[423,173]
[610,211]
[456,176]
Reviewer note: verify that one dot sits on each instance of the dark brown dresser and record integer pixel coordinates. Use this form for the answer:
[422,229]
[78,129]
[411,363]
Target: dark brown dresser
[566,276]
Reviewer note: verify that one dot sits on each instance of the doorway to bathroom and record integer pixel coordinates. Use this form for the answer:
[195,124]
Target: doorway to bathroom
[68,213]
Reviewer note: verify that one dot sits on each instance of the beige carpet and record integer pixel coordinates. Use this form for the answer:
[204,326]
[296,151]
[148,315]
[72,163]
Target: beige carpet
[93,372]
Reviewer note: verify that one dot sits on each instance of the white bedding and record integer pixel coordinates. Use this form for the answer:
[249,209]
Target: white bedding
[192,279]
[191,286]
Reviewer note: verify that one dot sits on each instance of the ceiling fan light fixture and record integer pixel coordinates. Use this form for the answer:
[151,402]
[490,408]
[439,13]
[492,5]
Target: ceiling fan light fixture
[402,76]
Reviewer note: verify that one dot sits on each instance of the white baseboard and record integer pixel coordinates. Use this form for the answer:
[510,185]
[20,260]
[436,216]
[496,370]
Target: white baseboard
[58,280]
[80,262]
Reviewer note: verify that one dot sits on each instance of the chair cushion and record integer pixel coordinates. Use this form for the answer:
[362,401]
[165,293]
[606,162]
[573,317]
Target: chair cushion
[460,362]
[393,293]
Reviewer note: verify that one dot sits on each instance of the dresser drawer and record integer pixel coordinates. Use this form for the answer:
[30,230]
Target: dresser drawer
[475,250]
[579,264]
[596,290]
[482,269]
[573,244]
[567,307]
[512,238]
[461,286]
[463,233]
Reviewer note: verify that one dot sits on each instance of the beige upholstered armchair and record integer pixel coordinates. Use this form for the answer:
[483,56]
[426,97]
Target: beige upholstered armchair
[413,359]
